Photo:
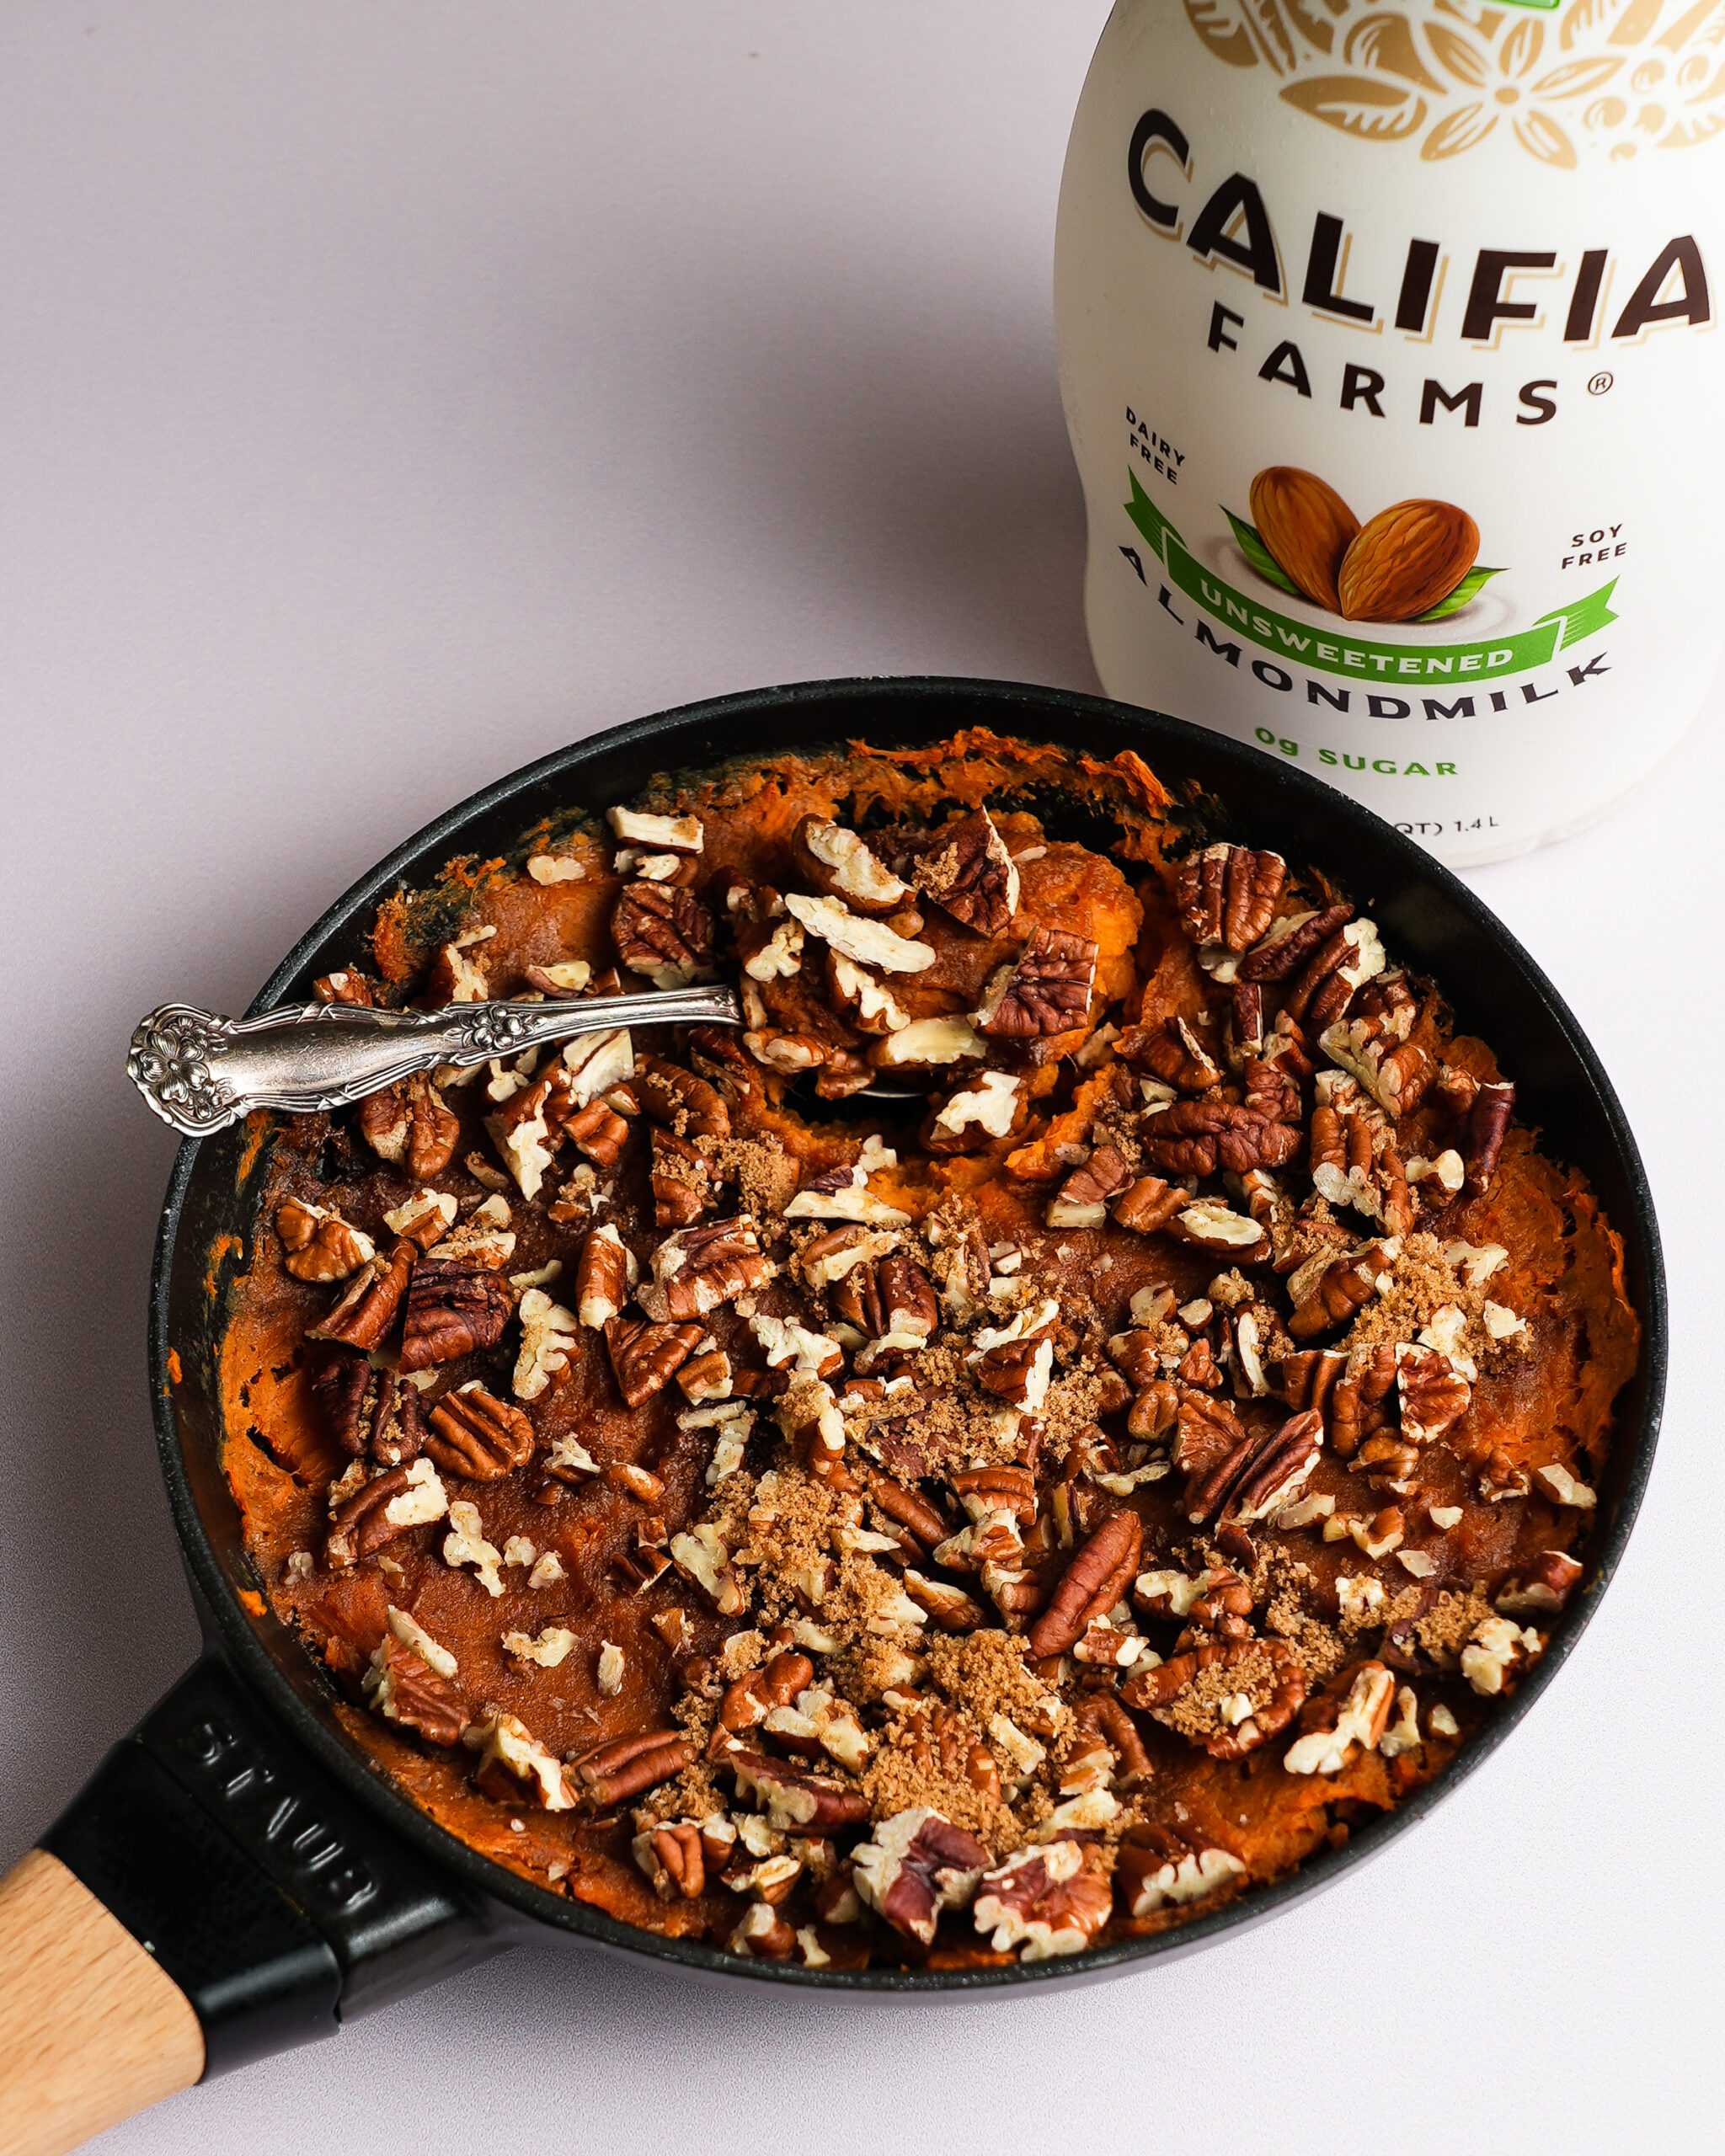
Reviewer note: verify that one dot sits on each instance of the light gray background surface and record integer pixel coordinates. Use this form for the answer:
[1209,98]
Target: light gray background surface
[391,392]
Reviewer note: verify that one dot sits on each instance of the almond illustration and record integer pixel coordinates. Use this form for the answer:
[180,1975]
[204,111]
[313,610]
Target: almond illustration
[1405,560]
[1307,527]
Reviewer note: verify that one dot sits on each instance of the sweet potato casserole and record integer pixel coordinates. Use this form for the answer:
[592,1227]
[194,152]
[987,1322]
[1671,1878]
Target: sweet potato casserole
[939,1529]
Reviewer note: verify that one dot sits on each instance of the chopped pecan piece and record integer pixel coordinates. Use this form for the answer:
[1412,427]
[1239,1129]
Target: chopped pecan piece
[966,870]
[1541,1586]
[1045,991]
[320,1244]
[645,1355]
[365,1311]
[1097,1577]
[681,1186]
[1226,1696]
[875,944]
[621,1767]
[343,987]
[984,1490]
[1340,1290]
[1335,1724]
[388,1505]
[512,1763]
[1433,1394]
[1395,1072]
[977,1115]
[1083,1199]
[840,865]
[663,931]
[404,1689]
[916,1864]
[697,1269]
[478,1437]
[1047,1901]
[411,1125]
[1157,1867]
[1227,894]
[1198,1138]
[452,1309]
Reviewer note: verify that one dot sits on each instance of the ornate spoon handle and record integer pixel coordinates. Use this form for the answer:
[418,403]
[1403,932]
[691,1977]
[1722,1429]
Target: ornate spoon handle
[200,1072]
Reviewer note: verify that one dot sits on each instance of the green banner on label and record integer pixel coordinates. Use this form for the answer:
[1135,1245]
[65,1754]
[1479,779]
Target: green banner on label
[1307,646]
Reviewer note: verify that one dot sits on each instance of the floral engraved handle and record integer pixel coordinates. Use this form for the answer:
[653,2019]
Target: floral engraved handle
[199,1072]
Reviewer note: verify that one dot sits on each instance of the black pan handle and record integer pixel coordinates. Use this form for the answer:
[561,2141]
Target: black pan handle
[277,1904]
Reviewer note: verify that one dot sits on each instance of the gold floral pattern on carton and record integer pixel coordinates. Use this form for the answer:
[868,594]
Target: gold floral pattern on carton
[1604,79]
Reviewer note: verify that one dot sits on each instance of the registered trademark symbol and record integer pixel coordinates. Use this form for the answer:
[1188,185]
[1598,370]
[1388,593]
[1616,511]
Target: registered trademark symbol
[1600,384]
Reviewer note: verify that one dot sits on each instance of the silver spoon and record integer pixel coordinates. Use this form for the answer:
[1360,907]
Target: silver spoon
[199,1072]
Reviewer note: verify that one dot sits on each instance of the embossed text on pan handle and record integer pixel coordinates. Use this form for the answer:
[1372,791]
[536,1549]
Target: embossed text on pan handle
[200,1072]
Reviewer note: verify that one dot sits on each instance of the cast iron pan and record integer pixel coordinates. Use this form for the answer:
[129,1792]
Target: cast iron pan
[275,1875]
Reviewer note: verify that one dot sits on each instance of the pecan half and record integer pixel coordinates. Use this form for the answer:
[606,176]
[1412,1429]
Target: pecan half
[1227,894]
[795,1800]
[365,1311]
[662,930]
[622,1767]
[1173,1052]
[645,1357]
[966,869]
[478,1437]
[891,1299]
[1334,973]
[1486,1127]
[697,1269]
[1199,1138]
[1149,1204]
[1292,943]
[984,1490]
[1046,1901]
[679,1101]
[320,1246]
[1045,991]
[673,1860]
[453,1309]
[372,1414]
[604,1275]
[1097,1577]
[410,1124]
[915,1865]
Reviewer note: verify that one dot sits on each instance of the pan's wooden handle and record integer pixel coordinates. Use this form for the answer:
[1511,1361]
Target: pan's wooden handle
[91,2030]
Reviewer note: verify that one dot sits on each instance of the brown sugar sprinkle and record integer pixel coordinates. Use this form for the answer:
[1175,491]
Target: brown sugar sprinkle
[808,1657]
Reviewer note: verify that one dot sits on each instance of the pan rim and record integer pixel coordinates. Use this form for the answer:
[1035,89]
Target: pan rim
[1006,707]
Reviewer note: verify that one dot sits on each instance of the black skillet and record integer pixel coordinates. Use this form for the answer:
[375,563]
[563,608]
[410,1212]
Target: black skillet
[275,1875]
